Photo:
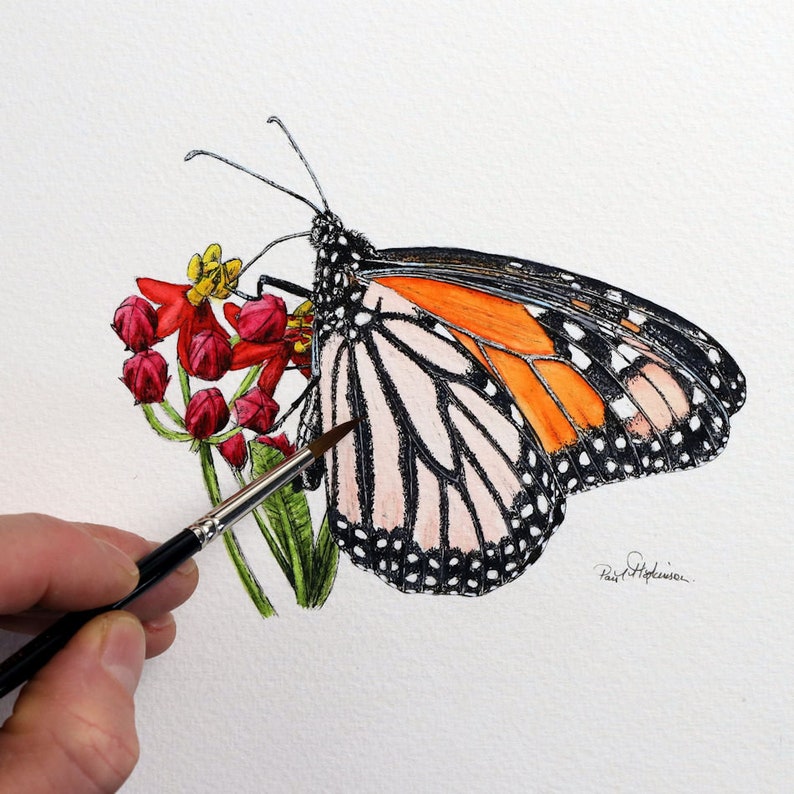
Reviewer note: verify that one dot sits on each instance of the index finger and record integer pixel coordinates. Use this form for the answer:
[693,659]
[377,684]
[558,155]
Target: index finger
[60,565]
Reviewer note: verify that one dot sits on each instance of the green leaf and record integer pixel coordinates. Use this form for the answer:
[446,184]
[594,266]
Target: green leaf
[244,571]
[326,558]
[287,513]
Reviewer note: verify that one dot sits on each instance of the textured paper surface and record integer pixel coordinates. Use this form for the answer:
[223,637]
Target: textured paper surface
[648,148]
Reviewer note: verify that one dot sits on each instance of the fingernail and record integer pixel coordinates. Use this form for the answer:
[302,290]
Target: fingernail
[118,557]
[159,623]
[123,649]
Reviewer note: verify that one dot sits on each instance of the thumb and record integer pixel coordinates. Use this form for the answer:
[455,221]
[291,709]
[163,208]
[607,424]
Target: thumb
[73,726]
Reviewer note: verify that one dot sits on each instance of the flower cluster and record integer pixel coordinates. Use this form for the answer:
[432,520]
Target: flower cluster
[259,340]
[267,341]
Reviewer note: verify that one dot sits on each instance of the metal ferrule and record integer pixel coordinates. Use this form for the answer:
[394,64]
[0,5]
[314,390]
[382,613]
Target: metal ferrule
[231,510]
[206,529]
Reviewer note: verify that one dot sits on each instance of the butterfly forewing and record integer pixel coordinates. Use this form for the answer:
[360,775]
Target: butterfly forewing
[612,385]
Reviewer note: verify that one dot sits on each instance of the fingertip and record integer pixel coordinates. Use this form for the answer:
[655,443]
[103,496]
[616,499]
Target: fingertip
[160,634]
[125,565]
[123,648]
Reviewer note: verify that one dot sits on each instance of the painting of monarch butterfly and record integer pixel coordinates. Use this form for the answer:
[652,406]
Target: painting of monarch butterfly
[491,388]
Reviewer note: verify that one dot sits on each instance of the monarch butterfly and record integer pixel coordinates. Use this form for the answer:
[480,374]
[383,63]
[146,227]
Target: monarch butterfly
[492,388]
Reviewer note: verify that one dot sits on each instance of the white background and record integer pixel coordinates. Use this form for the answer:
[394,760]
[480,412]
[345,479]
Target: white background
[646,146]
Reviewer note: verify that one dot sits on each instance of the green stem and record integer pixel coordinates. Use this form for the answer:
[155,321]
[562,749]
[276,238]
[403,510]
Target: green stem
[252,375]
[267,534]
[184,383]
[160,428]
[247,576]
[172,412]
[224,436]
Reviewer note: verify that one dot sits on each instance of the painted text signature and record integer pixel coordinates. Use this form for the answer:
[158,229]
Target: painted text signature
[637,568]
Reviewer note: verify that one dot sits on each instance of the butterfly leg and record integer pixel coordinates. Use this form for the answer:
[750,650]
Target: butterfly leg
[302,398]
[288,286]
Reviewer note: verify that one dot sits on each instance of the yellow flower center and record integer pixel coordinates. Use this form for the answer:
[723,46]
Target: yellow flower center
[210,276]
[302,320]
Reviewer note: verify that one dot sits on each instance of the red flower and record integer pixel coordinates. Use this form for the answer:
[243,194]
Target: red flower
[263,320]
[280,442]
[273,368]
[135,322]
[206,413]
[276,354]
[146,376]
[177,313]
[234,451]
[209,355]
[255,410]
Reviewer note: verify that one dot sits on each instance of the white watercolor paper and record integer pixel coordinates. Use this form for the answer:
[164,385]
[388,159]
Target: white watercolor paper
[649,148]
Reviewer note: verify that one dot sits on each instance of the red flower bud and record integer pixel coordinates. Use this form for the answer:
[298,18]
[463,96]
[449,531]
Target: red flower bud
[280,442]
[255,410]
[206,413]
[234,451]
[263,320]
[146,376]
[209,355]
[135,322]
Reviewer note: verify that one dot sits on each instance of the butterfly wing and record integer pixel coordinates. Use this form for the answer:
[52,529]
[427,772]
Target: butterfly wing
[441,487]
[612,385]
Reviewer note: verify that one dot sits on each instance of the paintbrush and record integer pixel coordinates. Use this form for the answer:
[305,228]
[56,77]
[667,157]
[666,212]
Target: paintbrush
[19,667]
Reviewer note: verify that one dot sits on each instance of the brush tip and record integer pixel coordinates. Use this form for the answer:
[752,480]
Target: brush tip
[322,444]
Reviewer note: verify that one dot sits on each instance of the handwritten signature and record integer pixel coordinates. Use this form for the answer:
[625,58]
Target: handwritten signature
[638,569]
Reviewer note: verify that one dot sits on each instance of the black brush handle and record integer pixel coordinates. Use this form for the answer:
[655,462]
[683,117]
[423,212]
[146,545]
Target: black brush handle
[30,658]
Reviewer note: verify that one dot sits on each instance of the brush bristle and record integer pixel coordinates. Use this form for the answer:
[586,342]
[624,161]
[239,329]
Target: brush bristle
[322,444]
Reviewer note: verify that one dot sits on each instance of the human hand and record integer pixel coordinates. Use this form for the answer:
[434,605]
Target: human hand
[73,726]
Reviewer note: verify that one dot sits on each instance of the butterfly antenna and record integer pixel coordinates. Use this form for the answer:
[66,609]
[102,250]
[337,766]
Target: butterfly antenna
[277,120]
[197,152]
[269,246]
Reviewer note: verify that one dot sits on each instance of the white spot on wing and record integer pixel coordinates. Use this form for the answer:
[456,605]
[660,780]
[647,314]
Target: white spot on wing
[698,396]
[362,318]
[579,358]
[616,362]
[573,330]
[636,317]
[624,408]
[628,352]
[536,311]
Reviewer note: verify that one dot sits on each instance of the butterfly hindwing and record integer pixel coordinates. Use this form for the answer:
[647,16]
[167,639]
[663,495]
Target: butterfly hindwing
[441,488]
